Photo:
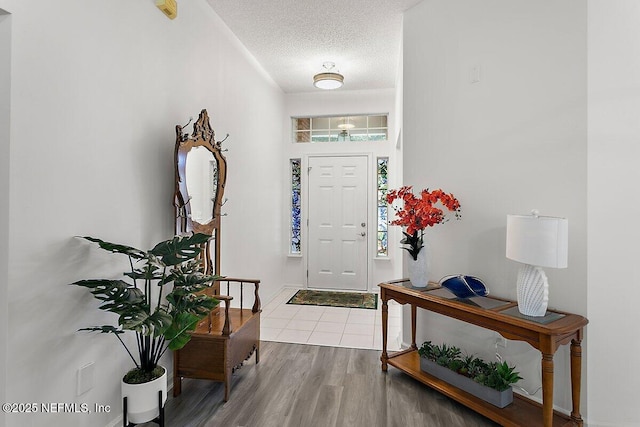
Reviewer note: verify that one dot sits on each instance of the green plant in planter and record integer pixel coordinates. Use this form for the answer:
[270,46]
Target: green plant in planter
[159,323]
[499,376]
[445,355]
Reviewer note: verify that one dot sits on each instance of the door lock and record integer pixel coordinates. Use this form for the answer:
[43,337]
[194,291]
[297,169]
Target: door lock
[363,224]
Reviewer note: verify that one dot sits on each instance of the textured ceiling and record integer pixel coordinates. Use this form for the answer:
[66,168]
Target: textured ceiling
[291,39]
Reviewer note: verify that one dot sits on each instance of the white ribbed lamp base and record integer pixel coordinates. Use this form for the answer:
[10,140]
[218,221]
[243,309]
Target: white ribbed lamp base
[533,291]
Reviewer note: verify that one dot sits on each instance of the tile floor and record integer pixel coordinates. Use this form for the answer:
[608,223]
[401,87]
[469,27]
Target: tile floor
[329,326]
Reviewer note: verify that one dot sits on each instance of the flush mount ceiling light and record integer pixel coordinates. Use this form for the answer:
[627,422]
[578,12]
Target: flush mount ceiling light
[346,124]
[330,78]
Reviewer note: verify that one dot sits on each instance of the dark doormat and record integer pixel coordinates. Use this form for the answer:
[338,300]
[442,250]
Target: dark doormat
[335,299]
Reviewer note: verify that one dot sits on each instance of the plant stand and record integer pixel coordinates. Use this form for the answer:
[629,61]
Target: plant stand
[158,420]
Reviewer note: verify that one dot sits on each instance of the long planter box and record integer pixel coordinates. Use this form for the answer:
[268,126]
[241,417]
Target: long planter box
[495,397]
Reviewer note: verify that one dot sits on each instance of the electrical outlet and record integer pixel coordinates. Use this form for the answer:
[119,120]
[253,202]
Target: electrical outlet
[474,74]
[85,378]
[501,341]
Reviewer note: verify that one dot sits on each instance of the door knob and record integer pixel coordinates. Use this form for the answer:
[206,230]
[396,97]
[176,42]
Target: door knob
[363,234]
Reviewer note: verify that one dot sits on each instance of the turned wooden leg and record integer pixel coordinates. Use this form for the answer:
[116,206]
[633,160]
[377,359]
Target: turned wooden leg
[177,385]
[576,375]
[227,383]
[413,326]
[256,303]
[177,380]
[226,329]
[547,389]
[385,318]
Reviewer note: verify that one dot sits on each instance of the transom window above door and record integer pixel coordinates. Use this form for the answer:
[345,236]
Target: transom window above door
[340,128]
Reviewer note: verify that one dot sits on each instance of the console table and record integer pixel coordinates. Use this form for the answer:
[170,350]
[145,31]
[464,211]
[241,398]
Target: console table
[546,337]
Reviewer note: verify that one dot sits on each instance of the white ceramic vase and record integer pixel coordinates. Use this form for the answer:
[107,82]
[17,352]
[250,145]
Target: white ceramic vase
[420,269]
[142,399]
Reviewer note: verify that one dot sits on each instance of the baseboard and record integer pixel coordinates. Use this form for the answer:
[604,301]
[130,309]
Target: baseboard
[116,422]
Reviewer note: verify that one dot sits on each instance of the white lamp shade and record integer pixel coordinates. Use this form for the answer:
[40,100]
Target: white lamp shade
[538,240]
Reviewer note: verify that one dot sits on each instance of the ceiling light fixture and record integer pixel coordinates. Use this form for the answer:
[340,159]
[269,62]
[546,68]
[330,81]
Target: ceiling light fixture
[329,78]
[346,124]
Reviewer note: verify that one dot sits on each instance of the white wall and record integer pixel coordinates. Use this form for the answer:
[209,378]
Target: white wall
[97,89]
[399,116]
[92,143]
[338,103]
[512,142]
[5,81]
[614,206]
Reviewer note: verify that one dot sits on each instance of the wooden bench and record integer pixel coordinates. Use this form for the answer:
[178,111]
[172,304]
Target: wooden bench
[221,342]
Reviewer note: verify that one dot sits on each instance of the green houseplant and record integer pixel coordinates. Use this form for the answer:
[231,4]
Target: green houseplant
[159,318]
[470,373]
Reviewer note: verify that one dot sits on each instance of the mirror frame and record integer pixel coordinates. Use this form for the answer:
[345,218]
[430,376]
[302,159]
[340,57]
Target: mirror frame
[202,136]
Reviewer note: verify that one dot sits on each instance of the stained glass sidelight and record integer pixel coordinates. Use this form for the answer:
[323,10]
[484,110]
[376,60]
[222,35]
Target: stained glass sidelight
[383,207]
[295,206]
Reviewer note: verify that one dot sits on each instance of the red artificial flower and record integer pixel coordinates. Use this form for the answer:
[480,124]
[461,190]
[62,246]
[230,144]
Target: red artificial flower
[420,213]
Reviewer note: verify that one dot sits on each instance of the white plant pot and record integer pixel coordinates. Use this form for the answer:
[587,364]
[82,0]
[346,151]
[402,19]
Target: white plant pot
[142,399]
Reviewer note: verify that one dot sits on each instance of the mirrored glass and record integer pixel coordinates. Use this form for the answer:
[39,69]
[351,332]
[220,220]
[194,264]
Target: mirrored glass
[201,172]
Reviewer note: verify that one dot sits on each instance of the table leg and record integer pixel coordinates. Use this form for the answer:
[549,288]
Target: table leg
[576,373]
[547,389]
[413,326]
[385,318]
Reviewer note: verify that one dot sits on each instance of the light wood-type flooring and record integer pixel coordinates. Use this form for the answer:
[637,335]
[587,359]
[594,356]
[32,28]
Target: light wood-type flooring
[298,385]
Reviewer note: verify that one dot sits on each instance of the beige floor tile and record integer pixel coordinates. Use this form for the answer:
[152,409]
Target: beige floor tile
[294,336]
[269,322]
[357,341]
[359,328]
[334,327]
[301,325]
[324,338]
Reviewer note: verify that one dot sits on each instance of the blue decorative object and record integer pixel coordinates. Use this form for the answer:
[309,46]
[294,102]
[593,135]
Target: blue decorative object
[464,286]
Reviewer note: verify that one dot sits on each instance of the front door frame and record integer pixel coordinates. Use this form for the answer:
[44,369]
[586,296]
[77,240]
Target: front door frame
[371,220]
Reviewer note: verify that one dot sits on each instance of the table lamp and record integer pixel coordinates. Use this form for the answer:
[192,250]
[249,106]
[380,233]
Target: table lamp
[536,241]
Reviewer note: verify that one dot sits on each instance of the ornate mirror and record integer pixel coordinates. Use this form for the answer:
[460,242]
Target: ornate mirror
[200,177]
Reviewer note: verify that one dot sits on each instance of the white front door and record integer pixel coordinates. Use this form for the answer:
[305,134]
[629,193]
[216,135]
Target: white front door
[337,256]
